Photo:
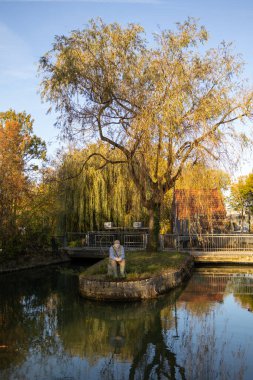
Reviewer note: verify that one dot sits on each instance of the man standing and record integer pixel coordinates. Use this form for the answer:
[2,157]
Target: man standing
[116,258]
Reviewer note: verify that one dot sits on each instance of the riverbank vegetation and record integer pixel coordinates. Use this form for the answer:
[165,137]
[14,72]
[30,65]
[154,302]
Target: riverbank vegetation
[21,151]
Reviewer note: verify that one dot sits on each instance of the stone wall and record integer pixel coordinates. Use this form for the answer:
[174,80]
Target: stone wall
[135,290]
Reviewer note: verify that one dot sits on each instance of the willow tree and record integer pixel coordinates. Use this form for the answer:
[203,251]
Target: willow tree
[159,106]
[89,197]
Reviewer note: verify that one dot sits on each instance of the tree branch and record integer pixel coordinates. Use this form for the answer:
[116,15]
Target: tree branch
[107,139]
[107,161]
[196,143]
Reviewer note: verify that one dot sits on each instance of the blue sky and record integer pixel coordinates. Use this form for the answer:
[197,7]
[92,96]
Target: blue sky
[27,30]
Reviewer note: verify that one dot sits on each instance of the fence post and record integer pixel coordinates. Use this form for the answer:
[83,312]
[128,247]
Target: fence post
[175,242]
[145,240]
[161,240]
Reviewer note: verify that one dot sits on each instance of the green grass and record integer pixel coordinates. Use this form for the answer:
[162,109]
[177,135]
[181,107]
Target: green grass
[140,265]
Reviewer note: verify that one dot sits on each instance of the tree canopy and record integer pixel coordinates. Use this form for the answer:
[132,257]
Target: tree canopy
[19,148]
[159,106]
[241,195]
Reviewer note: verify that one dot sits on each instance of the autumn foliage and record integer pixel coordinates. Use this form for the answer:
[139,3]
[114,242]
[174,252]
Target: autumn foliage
[19,147]
[159,107]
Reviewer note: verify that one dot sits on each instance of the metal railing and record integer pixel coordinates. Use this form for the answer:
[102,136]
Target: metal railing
[139,239]
[208,242]
[104,239]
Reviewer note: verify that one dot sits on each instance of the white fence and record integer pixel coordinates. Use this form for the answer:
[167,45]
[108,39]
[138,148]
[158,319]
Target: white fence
[208,242]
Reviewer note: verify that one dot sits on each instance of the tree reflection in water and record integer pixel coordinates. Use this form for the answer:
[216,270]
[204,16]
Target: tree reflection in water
[155,360]
[130,333]
[48,331]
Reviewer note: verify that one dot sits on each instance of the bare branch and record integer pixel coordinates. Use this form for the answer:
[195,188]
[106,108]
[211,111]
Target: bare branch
[107,139]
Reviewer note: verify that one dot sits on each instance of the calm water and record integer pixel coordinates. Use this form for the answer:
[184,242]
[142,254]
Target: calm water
[203,331]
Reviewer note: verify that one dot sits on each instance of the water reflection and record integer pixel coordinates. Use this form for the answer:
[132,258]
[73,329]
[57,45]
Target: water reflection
[200,332]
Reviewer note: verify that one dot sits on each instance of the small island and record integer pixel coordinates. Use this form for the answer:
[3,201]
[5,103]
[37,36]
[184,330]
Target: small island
[148,275]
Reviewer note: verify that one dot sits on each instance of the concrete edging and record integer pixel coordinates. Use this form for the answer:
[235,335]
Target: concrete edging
[219,257]
[135,290]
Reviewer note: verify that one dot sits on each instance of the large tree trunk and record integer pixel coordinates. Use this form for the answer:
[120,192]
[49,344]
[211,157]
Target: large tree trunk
[154,227]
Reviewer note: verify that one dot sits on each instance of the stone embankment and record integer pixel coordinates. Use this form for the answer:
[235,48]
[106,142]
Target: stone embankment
[35,261]
[127,290]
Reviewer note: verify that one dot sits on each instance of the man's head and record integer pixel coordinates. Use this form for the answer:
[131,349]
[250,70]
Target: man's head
[116,243]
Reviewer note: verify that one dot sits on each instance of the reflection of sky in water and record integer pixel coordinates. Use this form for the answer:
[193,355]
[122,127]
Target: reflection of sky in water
[215,338]
[67,368]
[51,333]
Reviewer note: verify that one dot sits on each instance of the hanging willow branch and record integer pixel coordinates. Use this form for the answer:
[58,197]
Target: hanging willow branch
[96,196]
[73,176]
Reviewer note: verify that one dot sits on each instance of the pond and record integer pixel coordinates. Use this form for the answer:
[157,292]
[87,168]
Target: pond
[202,331]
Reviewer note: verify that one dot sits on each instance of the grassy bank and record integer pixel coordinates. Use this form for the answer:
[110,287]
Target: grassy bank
[140,265]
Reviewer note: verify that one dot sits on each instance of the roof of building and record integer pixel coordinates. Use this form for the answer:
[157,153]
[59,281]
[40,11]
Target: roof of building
[198,202]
